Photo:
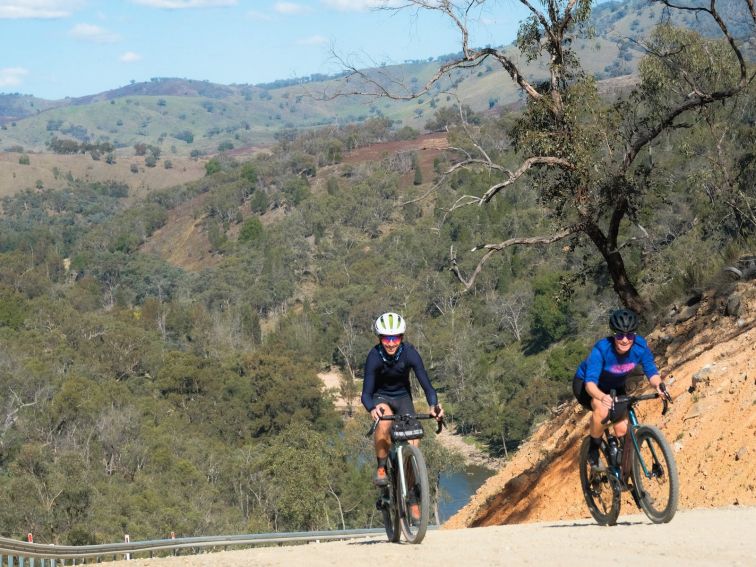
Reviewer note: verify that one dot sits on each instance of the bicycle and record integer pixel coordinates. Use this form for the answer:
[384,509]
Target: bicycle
[407,479]
[641,463]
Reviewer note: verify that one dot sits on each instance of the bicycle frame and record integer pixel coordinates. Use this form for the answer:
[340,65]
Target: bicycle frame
[404,501]
[646,468]
[630,442]
[396,451]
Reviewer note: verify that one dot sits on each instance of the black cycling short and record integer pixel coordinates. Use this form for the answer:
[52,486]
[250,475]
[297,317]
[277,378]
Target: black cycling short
[583,398]
[400,405]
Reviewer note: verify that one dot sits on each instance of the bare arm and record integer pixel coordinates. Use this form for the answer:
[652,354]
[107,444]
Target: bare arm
[594,392]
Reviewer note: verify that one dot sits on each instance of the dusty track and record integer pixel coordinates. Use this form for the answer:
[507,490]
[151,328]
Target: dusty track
[696,537]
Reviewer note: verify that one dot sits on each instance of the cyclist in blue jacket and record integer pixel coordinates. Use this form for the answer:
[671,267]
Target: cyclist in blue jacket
[386,385]
[609,363]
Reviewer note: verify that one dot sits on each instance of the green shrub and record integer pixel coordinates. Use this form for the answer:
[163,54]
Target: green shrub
[251,231]
[212,166]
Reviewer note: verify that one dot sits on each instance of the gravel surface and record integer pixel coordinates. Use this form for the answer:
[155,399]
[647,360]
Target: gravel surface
[695,537]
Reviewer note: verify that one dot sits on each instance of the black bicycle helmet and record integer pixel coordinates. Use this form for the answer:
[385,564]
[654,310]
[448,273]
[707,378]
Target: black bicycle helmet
[623,321]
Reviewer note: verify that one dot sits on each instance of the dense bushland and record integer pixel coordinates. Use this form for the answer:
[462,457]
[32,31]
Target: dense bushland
[142,398]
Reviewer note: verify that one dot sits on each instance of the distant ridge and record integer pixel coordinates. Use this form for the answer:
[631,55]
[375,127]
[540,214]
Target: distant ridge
[163,86]
[197,117]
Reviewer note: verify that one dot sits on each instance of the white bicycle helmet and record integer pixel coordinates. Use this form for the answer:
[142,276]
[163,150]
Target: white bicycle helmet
[390,324]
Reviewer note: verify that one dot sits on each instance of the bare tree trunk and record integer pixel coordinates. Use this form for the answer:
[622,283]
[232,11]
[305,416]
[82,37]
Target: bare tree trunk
[623,286]
[338,501]
[504,443]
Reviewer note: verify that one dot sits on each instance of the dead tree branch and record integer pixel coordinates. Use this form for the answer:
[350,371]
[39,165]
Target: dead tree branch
[698,97]
[493,248]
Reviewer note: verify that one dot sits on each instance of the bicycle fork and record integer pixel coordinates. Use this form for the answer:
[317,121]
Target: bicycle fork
[401,479]
[647,472]
[631,446]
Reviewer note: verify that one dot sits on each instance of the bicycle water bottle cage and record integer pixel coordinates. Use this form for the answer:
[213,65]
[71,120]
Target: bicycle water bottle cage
[406,429]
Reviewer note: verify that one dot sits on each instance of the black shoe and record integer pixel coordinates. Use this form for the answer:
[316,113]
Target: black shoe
[593,455]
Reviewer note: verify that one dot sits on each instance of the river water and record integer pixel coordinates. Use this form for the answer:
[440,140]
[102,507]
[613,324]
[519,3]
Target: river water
[457,489]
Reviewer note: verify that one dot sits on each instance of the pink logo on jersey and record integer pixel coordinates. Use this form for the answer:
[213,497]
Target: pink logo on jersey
[622,368]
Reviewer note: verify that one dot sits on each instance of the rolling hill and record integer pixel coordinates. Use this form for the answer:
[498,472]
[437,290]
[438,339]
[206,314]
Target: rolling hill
[183,116]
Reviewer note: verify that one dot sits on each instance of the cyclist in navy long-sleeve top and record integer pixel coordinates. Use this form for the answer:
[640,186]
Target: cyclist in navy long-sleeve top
[386,384]
[392,380]
[609,363]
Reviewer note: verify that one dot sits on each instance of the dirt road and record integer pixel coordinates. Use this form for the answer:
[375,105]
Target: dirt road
[696,537]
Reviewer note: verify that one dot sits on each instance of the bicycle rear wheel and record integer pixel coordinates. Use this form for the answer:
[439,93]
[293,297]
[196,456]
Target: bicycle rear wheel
[601,489]
[414,502]
[655,475]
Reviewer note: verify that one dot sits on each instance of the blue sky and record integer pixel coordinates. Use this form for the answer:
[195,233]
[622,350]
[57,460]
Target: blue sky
[57,48]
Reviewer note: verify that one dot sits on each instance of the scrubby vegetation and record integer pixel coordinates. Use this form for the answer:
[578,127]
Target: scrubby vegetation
[141,397]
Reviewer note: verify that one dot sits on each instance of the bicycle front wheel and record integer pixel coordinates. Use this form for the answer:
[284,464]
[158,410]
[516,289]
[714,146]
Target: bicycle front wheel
[655,475]
[414,497]
[390,507]
[601,488]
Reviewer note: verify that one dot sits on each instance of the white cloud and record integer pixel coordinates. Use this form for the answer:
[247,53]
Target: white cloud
[96,34]
[290,8]
[179,4]
[313,40]
[37,9]
[12,76]
[361,5]
[130,57]
[259,16]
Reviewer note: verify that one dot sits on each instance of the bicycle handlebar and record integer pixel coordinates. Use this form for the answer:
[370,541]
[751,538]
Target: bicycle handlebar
[632,400]
[440,426]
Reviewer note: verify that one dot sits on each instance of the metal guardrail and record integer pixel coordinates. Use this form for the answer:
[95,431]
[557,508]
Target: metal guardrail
[15,553]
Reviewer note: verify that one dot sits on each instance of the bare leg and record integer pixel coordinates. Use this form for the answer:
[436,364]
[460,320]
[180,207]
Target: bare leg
[382,437]
[620,428]
[599,414]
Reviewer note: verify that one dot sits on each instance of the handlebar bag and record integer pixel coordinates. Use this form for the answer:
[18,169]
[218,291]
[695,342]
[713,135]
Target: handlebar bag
[406,429]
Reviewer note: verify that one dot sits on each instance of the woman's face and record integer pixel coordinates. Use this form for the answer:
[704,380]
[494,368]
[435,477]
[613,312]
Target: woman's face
[623,342]
[391,343]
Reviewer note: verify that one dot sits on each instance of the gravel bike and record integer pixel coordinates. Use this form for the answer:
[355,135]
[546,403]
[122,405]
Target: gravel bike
[407,486]
[641,463]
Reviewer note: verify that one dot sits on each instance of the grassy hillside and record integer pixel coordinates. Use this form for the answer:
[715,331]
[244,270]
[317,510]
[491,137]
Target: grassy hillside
[182,117]
[51,171]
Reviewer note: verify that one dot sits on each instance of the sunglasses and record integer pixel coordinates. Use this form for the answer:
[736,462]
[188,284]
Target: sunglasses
[391,338]
[620,336]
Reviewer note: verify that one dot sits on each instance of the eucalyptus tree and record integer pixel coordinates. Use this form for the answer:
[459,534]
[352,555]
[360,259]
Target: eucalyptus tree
[588,160]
